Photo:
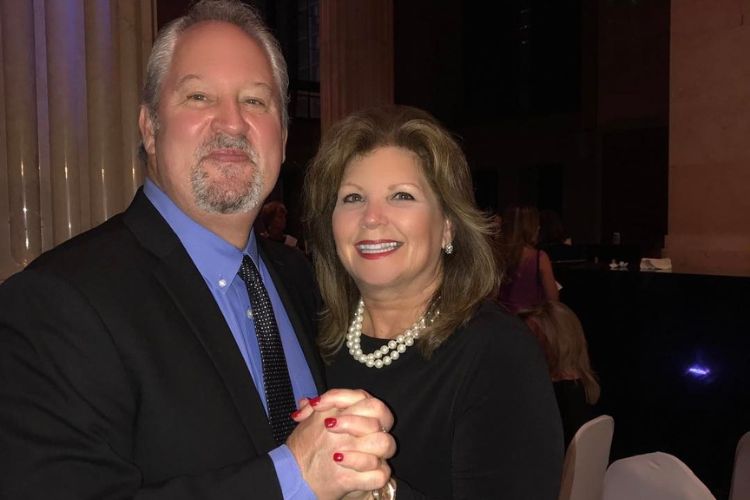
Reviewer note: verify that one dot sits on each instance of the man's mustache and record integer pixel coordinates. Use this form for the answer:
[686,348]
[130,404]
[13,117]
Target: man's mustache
[224,141]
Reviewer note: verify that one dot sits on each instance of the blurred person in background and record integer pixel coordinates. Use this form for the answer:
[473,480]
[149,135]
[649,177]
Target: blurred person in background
[273,222]
[560,333]
[529,279]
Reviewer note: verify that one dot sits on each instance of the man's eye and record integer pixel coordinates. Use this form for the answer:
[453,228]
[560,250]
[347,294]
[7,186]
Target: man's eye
[352,198]
[197,97]
[254,101]
[401,195]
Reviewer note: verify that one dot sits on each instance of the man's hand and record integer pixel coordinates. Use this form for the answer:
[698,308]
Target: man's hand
[341,443]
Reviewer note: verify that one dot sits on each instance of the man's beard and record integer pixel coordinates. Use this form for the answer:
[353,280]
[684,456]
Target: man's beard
[230,194]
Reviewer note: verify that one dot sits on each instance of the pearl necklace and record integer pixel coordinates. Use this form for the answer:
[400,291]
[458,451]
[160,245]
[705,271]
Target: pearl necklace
[389,352]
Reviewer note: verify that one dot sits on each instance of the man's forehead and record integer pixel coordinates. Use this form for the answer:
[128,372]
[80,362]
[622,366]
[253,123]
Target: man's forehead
[213,29]
[213,41]
[212,48]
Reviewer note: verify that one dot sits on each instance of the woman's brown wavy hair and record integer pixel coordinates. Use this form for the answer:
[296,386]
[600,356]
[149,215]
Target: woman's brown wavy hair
[469,275]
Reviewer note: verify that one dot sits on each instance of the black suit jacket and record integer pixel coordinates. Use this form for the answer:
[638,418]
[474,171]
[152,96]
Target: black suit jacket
[120,378]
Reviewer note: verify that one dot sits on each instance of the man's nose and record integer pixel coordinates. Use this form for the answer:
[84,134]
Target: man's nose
[229,118]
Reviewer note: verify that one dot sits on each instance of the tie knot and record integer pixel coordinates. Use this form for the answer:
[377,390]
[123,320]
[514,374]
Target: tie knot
[248,272]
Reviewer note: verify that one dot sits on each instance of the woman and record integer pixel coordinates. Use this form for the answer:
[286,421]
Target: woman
[561,335]
[405,266]
[529,280]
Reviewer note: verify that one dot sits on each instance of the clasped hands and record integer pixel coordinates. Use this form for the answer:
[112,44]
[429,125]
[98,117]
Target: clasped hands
[341,443]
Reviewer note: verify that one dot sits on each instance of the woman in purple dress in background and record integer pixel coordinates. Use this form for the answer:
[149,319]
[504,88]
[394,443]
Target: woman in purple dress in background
[529,280]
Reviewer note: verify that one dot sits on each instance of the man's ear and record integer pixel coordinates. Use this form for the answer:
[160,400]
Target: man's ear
[148,134]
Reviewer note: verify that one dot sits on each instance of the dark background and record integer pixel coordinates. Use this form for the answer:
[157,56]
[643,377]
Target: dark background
[561,104]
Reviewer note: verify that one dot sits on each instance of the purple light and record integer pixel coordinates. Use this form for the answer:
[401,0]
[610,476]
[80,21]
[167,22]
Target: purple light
[699,371]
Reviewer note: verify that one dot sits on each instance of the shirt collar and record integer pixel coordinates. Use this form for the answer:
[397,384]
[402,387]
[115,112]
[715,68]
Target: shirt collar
[217,260]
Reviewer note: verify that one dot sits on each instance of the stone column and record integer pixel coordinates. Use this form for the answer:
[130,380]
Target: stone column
[356,56]
[709,137]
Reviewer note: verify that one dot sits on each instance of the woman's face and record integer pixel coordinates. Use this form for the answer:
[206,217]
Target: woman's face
[388,225]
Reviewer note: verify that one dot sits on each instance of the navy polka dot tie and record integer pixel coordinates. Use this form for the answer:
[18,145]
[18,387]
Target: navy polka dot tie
[278,386]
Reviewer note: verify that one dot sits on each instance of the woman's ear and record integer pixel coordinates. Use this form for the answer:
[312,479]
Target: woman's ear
[447,232]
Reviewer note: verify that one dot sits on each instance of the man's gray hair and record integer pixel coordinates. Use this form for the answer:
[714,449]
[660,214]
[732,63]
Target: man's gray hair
[245,17]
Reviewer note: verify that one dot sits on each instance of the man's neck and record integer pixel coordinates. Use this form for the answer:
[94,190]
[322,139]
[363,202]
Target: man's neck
[234,228]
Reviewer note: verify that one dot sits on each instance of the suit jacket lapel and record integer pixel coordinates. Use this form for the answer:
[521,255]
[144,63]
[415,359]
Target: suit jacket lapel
[186,286]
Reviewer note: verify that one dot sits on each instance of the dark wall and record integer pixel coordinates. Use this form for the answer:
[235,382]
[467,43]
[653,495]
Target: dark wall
[673,360]
[558,103]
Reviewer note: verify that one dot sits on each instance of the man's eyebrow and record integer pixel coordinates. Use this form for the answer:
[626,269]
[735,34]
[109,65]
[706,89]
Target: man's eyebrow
[262,85]
[192,76]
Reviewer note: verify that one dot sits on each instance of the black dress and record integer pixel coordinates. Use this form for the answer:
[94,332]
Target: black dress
[478,420]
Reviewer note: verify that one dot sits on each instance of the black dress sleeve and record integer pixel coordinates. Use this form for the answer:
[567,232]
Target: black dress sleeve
[507,441]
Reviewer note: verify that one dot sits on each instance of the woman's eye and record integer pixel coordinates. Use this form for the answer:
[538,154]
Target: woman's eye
[197,97]
[401,195]
[352,198]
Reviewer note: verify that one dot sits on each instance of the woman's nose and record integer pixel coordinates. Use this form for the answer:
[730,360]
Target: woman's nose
[373,216]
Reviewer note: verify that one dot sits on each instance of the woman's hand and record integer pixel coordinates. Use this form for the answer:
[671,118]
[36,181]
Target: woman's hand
[348,402]
[341,443]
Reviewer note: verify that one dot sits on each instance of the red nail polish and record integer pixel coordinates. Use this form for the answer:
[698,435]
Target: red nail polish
[314,401]
[295,414]
[338,457]
[330,422]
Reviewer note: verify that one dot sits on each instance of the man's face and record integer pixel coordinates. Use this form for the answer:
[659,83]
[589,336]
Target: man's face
[219,141]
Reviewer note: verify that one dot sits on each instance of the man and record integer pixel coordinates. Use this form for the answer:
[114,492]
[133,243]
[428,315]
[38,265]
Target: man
[129,362]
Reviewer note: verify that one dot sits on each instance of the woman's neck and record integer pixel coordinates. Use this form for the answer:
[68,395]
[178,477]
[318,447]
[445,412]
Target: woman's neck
[388,317]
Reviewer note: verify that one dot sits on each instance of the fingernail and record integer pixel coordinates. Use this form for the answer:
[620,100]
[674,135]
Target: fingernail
[314,401]
[338,457]
[295,413]
[330,422]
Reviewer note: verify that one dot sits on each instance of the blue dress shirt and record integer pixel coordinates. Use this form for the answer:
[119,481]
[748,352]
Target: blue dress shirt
[218,262]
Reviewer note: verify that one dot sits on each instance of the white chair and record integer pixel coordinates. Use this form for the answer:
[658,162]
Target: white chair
[741,475]
[586,460]
[653,476]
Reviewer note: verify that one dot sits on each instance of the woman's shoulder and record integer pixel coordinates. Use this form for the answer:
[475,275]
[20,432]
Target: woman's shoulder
[492,328]
[498,353]
[529,252]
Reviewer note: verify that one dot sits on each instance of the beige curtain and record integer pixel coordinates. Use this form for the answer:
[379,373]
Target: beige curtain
[70,77]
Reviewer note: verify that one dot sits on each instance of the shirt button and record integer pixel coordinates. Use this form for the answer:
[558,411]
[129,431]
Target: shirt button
[222,282]
[250,312]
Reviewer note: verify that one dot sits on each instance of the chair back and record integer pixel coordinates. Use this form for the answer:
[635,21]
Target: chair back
[586,460]
[653,476]
[741,475]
